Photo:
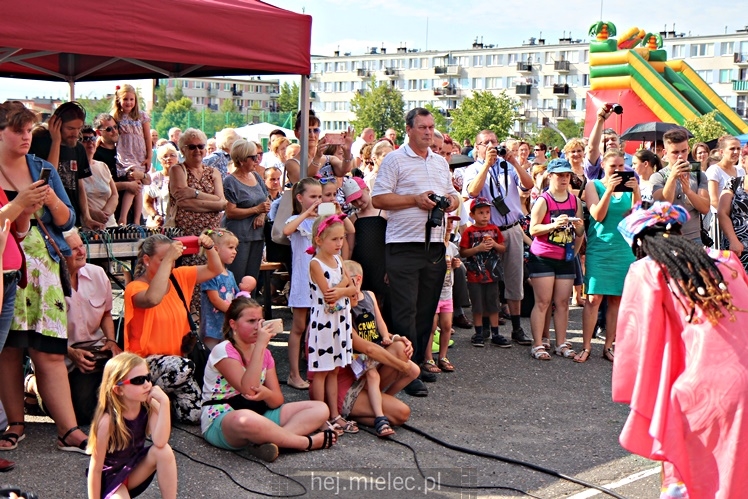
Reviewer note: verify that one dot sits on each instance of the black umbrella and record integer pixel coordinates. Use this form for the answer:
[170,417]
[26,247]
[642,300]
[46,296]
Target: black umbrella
[652,131]
[459,160]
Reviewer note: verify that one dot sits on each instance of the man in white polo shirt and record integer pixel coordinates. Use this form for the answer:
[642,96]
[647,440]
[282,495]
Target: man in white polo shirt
[406,184]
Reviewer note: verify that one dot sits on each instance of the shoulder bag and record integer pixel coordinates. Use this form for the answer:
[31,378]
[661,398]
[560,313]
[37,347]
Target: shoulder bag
[193,347]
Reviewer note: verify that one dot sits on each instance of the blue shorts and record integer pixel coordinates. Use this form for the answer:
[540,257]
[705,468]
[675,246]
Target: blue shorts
[214,434]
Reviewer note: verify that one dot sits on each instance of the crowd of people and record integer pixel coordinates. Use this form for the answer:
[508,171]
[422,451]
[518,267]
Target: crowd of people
[387,246]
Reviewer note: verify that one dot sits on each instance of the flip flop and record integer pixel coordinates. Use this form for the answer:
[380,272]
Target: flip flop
[12,437]
[304,385]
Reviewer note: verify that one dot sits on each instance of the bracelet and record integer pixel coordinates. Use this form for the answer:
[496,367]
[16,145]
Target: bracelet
[209,248]
[109,339]
[347,160]
[314,163]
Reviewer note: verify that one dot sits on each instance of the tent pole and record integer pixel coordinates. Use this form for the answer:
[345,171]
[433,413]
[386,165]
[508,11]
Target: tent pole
[304,129]
[71,83]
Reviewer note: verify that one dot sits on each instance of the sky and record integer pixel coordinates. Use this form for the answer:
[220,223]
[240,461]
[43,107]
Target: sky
[353,26]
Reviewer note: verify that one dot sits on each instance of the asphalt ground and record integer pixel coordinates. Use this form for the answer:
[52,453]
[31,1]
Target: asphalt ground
[556,415]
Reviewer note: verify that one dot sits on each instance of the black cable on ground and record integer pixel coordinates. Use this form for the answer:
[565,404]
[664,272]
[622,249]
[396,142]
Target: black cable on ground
[265,494]
[508,460]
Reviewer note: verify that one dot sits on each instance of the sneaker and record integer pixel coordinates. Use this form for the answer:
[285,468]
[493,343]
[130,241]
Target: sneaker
[477,340]
[462,322]
[520,337]
[500,341]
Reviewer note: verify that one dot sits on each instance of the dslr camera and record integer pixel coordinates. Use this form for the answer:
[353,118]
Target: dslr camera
[615,107]
[501,150]
[436,215]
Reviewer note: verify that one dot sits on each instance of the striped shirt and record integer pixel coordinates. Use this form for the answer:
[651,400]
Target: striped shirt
[405,173]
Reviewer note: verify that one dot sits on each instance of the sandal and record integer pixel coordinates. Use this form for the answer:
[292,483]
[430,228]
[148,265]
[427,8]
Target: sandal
[565,350]
[32,402]
[267,452]
[546,342]
[430,367]
[330,439]
[12,437]
[445,365]
[63,445]
[608,354]
[339,424]
[582,356]
[382,427]
[539,353]
[304,385]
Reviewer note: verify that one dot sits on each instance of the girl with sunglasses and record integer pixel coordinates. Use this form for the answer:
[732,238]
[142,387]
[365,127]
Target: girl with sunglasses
[130,408]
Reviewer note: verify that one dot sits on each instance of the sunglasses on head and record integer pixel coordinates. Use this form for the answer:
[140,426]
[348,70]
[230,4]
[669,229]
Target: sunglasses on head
[136,380]
[326,180]
[110,129]
[192,147]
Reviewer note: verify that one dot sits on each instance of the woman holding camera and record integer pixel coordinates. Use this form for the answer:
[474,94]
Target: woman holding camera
[156,317]
[608,255]
[558,230]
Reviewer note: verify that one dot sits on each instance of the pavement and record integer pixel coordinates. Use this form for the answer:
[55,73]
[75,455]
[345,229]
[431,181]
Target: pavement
[500,402]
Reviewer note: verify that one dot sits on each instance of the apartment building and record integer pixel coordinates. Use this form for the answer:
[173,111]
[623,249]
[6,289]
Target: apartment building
[246,94]
[549,80]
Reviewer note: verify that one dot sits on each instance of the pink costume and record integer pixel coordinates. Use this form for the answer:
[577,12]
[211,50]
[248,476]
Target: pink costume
[686,383]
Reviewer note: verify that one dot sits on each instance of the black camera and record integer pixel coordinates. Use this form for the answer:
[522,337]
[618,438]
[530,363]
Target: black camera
[501,150]
[6,491]
[501,206]
[615,107]
[436,215]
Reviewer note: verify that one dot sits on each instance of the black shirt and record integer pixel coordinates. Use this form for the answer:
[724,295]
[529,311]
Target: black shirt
[73,166]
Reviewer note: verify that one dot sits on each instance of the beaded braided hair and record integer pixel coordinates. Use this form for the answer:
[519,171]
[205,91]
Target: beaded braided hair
[690,269]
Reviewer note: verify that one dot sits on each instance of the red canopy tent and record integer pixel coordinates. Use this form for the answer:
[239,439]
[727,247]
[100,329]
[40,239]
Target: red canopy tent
[79,40]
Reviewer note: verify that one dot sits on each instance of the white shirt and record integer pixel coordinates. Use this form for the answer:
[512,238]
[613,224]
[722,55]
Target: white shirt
[405,173]
[87,306]
[356,147]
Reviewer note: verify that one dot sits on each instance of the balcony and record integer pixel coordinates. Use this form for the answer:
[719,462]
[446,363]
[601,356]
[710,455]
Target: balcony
[740,59]
[524,67]
[740,87]
[445,92]
[390,73]
[440,70]
[523,90]
[361,91]
[274,95]
[523,114]
[560,89]
[363,73]
[562,66]
[450,70]
[315,76]
[561,113]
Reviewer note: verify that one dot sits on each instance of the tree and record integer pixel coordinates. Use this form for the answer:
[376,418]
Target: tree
[288,100]
[161,97]
[177,113]
[379,107]
[484,111]
[552,138]
[95,107]
[440,121]
[705,128]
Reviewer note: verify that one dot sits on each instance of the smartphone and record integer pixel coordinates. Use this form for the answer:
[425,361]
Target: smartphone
[326,209]
[277,325]
[625,177]
[695,166]
[44,174]
[191,244]
[334,138]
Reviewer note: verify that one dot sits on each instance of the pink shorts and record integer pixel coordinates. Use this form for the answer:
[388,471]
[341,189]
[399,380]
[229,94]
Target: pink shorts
[445,306]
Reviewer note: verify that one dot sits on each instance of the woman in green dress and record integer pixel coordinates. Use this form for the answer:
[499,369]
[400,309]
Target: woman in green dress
[608,255]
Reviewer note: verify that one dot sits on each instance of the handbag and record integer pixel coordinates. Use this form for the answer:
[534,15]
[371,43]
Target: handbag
[285,210]
[99,356]
[67,287]
[706,239]
[192,347]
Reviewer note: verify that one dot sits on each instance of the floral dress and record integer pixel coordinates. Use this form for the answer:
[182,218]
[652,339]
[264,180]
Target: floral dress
[131,144]
[738,216]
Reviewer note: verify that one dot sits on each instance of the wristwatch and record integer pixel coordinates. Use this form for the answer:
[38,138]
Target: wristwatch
[197,192]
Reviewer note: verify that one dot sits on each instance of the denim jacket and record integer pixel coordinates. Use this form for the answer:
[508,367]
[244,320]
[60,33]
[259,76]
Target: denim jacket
[35,167]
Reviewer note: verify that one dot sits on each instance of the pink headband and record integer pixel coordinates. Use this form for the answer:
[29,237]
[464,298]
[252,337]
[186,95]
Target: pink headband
[327,222]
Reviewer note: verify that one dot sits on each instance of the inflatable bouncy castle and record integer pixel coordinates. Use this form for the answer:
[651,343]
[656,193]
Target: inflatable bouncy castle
[633,71]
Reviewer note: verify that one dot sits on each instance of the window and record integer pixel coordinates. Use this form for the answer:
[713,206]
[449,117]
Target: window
[701,49]
[328,86]
[477,61]
[511,59]
[707,75]
[477,83]
[424,62]
[463,83]
[548,58]
[563,55]
[185,84]
[227,86]
[586,80]
[463,61]
[494,82]
[412,84]
[317,68]
[586,56]
[495,60]
[411,104]
[424,84]
[509,81]
[729,100]
[199,84]
[548,81]
[679,52]
[413,63]
[341,67]
[725,75]
[329,67]
[726,48]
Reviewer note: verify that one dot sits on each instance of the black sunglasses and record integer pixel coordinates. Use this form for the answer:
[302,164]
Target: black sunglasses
[253,157]
[110,129]
[137,380]
[192,147]
[89,138]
